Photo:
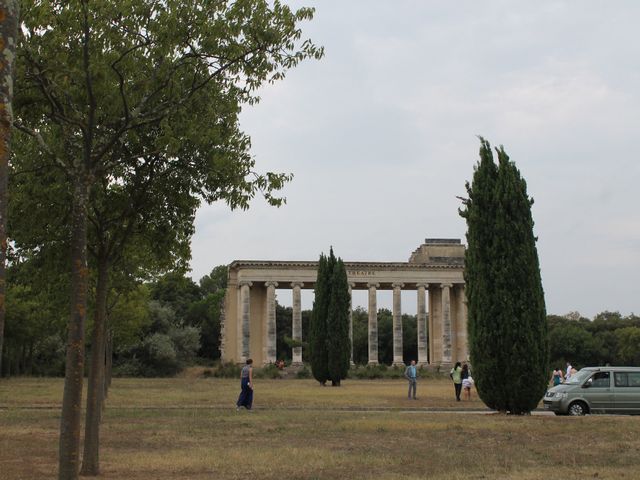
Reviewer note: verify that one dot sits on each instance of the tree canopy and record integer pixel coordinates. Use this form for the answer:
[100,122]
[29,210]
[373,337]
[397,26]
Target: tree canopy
[132,99]
[506,310]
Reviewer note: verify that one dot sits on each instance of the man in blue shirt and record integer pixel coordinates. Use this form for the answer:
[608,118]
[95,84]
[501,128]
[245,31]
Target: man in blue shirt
[411,373]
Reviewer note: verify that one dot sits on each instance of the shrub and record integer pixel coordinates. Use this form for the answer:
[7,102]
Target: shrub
[268,371]
[304,372]
[186,341]
[227,370]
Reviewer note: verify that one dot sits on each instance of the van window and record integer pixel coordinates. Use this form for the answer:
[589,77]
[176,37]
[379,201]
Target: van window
[620,379]
[601,380]
[627,379]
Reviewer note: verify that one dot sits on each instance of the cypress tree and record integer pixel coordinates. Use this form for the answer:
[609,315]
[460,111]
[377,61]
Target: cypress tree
[338,345]
[506,311]
[329,345]
[318,325]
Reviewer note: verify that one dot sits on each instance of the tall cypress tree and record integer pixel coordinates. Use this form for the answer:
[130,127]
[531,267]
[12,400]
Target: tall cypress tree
[329,345]
[318,325]
[338,345]
[506,310]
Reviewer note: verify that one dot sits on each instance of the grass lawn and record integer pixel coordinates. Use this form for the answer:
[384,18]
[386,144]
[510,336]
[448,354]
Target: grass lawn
[187,428]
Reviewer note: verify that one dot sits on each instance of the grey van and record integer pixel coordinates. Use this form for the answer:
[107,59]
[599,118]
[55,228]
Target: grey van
[596,390]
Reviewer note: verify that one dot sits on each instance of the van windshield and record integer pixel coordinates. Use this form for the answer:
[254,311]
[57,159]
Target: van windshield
[579,378]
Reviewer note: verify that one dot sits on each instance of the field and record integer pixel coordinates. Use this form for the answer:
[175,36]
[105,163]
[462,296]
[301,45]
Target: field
[187,428]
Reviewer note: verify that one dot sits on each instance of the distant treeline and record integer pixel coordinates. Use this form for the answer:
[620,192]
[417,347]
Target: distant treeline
[157,328]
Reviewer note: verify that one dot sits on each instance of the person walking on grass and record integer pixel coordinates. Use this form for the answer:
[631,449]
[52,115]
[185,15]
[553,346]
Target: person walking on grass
[456,375]
[467,381]
[411,374]
[246,385]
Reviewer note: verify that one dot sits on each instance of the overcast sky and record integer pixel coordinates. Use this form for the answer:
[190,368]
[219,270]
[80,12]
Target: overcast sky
[381,137]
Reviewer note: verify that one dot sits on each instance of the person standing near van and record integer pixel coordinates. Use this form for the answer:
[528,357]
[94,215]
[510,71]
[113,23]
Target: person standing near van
[246,385]
[567,375]
[456,376]
[556,377]
[411,374]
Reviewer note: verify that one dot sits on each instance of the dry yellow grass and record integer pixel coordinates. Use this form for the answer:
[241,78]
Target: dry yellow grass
[187,429]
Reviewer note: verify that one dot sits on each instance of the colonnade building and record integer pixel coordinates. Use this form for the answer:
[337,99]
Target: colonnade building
[434,270]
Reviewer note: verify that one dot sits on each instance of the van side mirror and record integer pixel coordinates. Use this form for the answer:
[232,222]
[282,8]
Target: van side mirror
[588,383]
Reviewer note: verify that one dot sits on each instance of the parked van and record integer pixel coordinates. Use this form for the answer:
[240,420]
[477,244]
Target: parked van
[596,390]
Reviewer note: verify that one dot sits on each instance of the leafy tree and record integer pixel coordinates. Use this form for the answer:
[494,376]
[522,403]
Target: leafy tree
[178,291]
[37,307]
[130,315]
[338,343]
[204,314]
[9,13]
[507,319]
[284,331]
[409,337]
[104,86]
[216,280]
[385,336]
[629,346]
[360,319]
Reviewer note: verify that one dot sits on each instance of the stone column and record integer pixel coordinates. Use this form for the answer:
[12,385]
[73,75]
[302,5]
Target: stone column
[423,353]
[270,340]
[245,315]
[351,287]
[397,324]
[373,324]
[446,323]
[296,327]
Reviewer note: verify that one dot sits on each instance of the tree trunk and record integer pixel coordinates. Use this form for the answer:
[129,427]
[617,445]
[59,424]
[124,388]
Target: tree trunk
[91,458]
[30,365]
[108,363]
[9,11]
[69,449]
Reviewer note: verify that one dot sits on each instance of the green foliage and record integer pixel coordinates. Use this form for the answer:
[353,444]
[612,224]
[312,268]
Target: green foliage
[371,372]
[360,319]
[338,343]
[227,370]
[329,330]
[629,346]
[268,371]
[304,372]
[318,328]
[177,290]
[507,319]
[131,314]
[210,325]
[284,340]
[136,105]
[216,281]
[35,319]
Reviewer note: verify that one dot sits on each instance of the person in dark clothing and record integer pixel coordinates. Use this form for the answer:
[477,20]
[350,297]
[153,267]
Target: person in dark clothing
[246,385]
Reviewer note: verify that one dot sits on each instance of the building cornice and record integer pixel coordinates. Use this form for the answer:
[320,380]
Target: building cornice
[436,263]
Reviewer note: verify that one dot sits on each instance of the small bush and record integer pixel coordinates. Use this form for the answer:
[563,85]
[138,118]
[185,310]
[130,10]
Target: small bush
[132,367]
[368,372]
[304,372]
[268,371]
[227,370]
[371,372]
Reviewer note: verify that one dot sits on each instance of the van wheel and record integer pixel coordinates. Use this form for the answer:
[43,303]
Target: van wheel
[578,408]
